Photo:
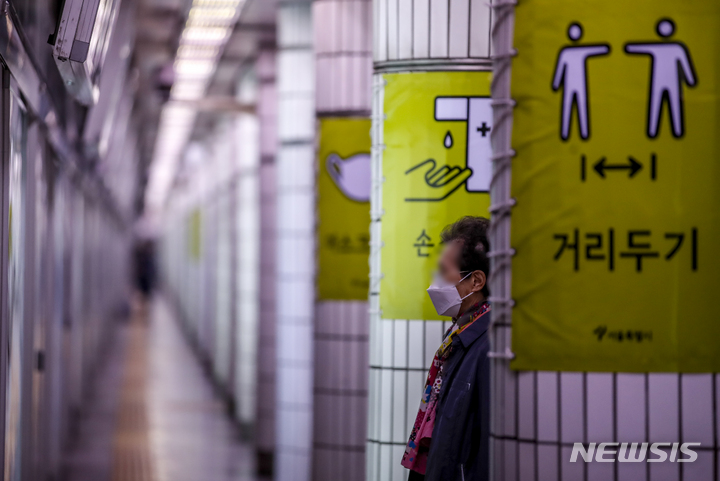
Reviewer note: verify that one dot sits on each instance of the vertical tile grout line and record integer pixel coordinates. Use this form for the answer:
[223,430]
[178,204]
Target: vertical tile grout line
[491,13]
[536,408]
[407,376]
[387,29]
[429,32]
[469,38]
[517,419]
[447,45]
[412,28]
[647,421]
[615,422]
[585,419]
[392,395]
[715,427]
[680,421]
[558,405]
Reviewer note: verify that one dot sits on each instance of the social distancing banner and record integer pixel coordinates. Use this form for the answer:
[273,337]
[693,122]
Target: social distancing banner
[344,209]
[617,182]
[436,168]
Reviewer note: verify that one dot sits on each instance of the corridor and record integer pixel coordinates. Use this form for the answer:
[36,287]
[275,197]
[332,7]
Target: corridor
[154,414]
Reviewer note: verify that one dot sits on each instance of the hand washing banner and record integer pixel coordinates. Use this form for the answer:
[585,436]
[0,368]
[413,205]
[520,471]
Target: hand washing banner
[344,209]
[436,166]
[617,181]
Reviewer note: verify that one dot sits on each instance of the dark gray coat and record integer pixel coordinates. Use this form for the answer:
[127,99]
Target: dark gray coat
[459,445]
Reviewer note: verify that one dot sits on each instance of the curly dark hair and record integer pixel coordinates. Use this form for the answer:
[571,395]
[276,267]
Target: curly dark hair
[472,235]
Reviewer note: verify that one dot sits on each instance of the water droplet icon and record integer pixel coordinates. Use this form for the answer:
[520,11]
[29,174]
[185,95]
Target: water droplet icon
[448,142]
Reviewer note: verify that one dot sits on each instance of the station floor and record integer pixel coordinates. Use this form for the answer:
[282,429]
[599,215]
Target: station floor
[153,414]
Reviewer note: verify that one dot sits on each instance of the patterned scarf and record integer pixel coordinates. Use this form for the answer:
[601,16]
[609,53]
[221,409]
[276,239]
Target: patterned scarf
[416,451]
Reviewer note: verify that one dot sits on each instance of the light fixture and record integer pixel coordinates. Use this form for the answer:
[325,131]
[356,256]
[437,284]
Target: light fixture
[211,14]
[208,35]
[207,29]
[190,68]
[197,51]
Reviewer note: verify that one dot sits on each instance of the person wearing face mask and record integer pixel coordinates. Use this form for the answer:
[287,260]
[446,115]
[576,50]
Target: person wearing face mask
[449,440]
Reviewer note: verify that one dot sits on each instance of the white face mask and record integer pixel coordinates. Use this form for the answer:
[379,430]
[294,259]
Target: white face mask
[445,296]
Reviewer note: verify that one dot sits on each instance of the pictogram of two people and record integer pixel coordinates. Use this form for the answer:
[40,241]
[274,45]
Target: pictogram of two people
[671,66]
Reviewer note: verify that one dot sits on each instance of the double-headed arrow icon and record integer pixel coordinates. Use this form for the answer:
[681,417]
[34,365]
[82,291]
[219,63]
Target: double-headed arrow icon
[632,166]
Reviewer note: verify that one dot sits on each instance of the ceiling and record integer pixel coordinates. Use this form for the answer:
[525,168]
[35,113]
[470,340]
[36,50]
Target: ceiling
[159,24]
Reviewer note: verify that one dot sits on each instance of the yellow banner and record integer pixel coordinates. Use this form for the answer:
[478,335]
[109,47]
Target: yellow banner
[616,179]
[436,166]
[344,209]
[195,234]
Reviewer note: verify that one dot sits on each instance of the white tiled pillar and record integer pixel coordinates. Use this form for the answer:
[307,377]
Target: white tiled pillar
[417,33]
[223,199]
[266,365]
[247,245]
[343,43]
[409,36]
[294,293]
[343,56]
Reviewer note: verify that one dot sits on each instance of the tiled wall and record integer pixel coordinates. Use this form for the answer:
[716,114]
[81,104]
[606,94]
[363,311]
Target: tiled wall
[343,72]
[343,56]
[266,365]
[247,251]
[267,116]
[546,412]
[295,242]
[400,354]
[340,390]
[266,362]
[223,357]
[431,29]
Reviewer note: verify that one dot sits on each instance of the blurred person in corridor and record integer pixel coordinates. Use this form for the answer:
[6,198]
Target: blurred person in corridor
[145,267]
[449,440]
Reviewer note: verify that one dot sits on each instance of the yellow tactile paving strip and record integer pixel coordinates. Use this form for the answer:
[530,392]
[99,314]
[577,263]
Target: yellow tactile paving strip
[132,460]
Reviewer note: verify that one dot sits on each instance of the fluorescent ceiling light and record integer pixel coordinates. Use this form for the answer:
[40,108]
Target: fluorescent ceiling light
[186,90]
[209,25]
[198,51]
[205,34]
[218,3]
[194,68]
[200,14]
